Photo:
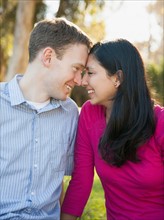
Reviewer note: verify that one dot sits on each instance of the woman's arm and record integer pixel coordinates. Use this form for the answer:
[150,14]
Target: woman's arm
[65,216]
[81,183]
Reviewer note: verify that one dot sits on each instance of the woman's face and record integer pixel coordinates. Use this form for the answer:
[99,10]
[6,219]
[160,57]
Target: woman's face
[101,87]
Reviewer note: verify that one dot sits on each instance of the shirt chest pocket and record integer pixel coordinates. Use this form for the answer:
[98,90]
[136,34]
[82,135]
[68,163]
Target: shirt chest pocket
[59,147]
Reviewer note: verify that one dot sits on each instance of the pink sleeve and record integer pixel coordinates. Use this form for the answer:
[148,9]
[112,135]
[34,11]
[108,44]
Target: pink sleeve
[82,179]
[159,133]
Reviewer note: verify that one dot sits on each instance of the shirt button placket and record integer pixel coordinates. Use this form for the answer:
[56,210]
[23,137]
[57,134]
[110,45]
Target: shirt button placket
[35,156]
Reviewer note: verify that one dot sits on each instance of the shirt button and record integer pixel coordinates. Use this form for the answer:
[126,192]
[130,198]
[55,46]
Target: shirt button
[35,166]
[36,140]
[32,193]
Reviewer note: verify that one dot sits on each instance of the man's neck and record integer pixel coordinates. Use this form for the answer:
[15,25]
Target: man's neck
[32,89]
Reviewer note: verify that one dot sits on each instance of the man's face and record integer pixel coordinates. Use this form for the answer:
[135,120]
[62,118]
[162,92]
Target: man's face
[63,74]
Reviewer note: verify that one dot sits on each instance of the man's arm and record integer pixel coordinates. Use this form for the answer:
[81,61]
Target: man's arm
[62,194]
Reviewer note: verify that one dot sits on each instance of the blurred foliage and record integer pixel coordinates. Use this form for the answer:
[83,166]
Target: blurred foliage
[95,207]
[157,9]
[7,18]
[7,25]
[86,14]
[156,80]
[79,95]
[72,9]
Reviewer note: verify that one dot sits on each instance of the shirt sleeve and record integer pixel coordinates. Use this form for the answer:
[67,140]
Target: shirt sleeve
[70,152]
[82,179]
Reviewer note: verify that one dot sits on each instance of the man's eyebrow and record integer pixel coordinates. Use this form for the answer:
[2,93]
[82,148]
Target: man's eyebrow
[79,65]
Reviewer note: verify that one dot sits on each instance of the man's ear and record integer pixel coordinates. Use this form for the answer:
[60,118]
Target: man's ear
[47,56]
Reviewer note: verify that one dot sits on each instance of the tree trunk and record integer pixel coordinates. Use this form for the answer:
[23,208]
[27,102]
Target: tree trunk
[24,22]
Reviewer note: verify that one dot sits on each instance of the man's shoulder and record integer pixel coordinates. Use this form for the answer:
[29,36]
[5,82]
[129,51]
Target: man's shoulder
[2,86]
[69,104]
[3,89]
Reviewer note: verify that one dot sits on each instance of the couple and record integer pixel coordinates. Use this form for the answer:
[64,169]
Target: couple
[120,131]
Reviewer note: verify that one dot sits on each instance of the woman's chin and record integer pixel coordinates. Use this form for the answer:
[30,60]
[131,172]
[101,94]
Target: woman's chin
[93,102]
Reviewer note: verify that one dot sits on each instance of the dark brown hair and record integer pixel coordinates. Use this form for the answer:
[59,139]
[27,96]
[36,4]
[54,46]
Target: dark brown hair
[57,33]
[132,120]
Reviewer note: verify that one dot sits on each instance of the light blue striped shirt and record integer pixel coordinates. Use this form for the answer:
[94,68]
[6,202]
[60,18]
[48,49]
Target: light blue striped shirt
[36,151]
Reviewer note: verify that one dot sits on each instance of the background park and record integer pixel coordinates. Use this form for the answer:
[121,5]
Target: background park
[141,22]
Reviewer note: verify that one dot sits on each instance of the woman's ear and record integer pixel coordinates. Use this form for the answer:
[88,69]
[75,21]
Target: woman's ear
[118,78]
[47,56]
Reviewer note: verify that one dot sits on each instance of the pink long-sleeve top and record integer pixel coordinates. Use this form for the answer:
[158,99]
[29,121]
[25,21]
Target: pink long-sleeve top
[134,191]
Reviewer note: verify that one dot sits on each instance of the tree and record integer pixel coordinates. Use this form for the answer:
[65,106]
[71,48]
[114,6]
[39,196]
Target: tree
[8,9]
[23,27]
[86,14]
[7,17]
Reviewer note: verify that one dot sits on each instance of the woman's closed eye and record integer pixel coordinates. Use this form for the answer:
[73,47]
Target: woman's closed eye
[90,73]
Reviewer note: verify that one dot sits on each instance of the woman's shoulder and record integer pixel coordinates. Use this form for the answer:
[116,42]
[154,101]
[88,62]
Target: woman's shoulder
[92,112]
[159,131]
[89,108]
[159,113]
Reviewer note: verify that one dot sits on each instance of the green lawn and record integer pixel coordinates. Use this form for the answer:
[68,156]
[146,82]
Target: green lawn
[95,208]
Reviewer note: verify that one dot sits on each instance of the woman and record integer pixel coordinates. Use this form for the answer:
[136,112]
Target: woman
[120,133]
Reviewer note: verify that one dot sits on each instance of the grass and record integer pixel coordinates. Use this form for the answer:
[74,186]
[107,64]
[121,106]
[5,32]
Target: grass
[95,207]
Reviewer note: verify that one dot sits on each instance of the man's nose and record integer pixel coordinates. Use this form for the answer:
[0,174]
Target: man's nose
[78,79]
[84,81]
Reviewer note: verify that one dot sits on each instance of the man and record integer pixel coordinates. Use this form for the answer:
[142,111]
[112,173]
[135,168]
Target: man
[38,122]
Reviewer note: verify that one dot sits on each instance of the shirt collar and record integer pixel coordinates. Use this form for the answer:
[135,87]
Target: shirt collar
[56,103]
[15,92]
[16,95]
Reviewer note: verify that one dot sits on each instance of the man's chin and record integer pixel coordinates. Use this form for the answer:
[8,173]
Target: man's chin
[64,97]
[61,98]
